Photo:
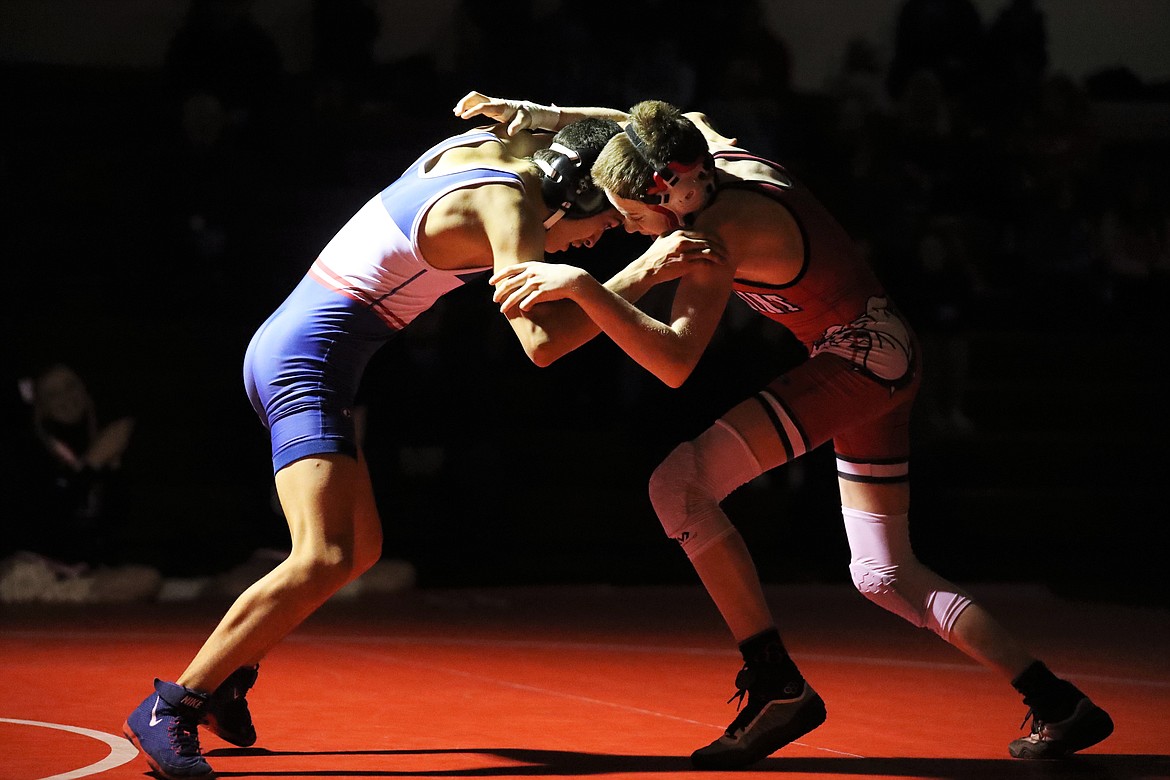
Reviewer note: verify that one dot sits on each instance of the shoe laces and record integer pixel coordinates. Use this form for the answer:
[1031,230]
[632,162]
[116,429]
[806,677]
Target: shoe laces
[1037,724]
[184,736]
[743,681]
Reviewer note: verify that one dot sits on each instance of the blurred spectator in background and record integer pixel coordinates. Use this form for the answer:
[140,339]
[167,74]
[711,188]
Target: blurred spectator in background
[1017,56]
[744,36]
[652,64]
[1051,197]
[69,541]
[943,36]
[918,153]
[856,87]
[344,32]
[941,299]
[80,465]
[745,78]
[483,28]
[1135,242]
[218,189]
[222,53]
[226,79]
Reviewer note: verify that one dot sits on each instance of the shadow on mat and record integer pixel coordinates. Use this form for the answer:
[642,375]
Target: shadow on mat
[564,763]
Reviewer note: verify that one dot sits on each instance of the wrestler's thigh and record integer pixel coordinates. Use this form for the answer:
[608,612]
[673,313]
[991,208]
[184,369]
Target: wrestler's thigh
[327,500]
[750,419]
[804,408]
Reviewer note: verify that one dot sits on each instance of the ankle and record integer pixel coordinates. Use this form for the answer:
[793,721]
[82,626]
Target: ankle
[768,669]
[1051,698]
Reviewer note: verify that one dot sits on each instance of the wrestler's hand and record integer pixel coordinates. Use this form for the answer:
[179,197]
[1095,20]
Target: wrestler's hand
[678,253]
[710,133]
[516,114]
[526,284]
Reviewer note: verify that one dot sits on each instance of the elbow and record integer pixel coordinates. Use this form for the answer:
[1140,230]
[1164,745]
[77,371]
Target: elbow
[542,357]
[536,343]
[545,345]
[674,379]
[676,373]
[544,353]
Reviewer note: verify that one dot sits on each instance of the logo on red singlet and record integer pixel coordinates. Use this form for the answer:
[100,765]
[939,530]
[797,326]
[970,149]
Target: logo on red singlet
[877,342]
[768,303]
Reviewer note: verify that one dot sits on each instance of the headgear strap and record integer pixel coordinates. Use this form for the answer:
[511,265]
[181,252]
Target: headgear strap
[566,186]
[678,189]
[555,176]
[556,146]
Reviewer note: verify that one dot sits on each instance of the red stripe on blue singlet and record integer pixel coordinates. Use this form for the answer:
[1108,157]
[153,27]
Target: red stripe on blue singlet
[339,284]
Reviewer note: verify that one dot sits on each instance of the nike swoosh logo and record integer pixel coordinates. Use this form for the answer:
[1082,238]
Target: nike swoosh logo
[154,718]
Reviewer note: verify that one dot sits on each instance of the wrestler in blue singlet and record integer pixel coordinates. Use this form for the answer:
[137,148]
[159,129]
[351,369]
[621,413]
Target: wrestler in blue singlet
[303,366]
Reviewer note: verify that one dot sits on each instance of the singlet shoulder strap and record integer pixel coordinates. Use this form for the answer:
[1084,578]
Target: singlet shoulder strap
[776,186]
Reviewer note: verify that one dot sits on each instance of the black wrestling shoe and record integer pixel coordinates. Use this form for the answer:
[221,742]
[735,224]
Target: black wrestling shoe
[227,712]
[766,723]
[1088,725]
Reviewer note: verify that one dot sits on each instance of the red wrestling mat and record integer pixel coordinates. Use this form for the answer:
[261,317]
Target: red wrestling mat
[578,682]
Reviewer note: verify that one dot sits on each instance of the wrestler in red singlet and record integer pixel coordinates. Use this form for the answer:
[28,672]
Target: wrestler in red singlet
[790,260]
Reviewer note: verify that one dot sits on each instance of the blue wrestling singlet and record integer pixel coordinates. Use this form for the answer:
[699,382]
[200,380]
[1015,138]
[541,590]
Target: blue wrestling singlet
[303,366]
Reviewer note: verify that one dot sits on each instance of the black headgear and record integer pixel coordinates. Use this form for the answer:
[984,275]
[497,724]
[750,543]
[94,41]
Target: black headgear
[566,186]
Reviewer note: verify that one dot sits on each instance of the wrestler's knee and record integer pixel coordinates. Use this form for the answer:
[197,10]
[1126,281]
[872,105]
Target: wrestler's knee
[366,556]
[672,481]
[685,505]
[884,586]
[325,570]
[913,592]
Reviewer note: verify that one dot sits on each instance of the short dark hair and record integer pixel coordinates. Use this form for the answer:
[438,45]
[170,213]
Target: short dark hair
[566,183]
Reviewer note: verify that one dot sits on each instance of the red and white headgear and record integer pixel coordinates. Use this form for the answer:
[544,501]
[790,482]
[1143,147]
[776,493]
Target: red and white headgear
[679,189]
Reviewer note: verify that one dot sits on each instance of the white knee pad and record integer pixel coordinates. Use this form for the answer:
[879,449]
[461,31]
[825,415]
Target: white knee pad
[687,487]
[885,570]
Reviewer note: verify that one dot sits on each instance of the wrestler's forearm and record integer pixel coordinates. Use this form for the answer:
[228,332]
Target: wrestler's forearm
[571,114]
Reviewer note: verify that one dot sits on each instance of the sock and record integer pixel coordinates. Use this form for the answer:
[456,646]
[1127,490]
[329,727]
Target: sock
[1050,698]
[772,669]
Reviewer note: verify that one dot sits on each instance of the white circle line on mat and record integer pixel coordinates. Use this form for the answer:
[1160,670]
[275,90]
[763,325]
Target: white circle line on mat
[121,751]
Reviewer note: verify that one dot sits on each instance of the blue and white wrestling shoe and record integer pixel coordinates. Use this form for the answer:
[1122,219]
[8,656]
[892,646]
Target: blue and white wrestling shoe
[165,727]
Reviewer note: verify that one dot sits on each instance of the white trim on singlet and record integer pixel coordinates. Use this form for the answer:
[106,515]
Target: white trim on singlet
[490,176]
